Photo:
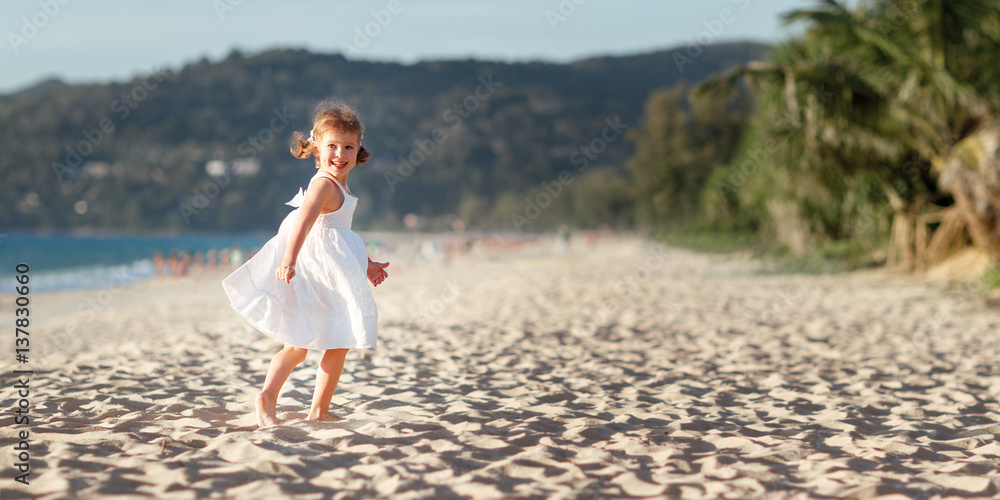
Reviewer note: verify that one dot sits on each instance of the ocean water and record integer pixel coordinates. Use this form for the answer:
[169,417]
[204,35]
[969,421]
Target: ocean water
[66,262]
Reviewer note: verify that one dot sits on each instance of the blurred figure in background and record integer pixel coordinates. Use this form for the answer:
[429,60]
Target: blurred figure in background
[158,262]
[236,257]
[210,259]
[173,262]
[562,239]
[184,263]
[224,259]
[199,262]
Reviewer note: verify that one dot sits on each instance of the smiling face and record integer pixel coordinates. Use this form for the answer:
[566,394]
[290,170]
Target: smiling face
[337,151]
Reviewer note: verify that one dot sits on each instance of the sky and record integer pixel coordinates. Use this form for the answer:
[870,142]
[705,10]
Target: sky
[104,40]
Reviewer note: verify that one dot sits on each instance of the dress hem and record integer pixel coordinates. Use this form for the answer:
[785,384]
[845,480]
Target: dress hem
[273,336]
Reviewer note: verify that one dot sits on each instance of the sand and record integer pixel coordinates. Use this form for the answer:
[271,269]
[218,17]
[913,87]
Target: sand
[615,370]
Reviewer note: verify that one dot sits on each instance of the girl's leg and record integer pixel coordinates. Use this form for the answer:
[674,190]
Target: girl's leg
[326,382]
[277,372]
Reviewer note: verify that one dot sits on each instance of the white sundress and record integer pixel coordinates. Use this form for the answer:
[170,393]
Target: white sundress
[327,304]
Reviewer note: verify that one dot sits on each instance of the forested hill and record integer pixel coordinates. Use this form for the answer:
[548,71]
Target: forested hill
[479,136]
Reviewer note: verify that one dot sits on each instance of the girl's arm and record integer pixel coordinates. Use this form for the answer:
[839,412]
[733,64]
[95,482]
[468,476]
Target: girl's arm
[318,194]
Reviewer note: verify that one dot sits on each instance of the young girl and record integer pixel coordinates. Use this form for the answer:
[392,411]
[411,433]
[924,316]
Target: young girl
[306,286]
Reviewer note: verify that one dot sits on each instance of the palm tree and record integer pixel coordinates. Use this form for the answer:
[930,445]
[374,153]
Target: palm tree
[899,94]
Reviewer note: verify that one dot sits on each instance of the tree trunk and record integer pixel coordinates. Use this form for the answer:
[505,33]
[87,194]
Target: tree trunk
[901,242]
[979,230]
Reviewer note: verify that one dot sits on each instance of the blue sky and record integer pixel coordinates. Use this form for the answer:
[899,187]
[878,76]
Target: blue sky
[101,40]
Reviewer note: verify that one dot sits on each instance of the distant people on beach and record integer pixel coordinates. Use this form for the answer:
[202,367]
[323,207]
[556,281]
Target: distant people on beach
[180,262]
[562,240]
[210,260]
[414,249]
[174,262]
[158,262]
[199,262]
[224,258]
[236,257]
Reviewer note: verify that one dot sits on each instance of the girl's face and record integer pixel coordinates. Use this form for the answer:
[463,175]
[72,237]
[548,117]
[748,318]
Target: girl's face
[337,151]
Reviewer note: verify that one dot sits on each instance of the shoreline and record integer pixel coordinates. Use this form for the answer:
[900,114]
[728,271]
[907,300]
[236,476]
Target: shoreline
[95,276]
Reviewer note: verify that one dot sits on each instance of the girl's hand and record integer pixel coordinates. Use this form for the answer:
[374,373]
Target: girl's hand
[285,273]
[376,272]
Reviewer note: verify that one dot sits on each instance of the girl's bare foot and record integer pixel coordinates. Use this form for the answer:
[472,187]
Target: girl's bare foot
[265,411]
[322,417]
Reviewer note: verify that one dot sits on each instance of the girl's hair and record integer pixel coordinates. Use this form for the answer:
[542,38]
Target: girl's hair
[330,116]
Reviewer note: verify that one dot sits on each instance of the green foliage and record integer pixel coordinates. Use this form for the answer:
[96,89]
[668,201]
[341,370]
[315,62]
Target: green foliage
[863,112]
[683,139]
[700,238]
[603,198]
[497,147]
[991,278]
[828,258]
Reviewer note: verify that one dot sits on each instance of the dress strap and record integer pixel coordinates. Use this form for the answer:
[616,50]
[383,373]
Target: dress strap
[335,181]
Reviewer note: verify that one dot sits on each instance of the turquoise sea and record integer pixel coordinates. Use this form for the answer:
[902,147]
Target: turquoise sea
[65,262]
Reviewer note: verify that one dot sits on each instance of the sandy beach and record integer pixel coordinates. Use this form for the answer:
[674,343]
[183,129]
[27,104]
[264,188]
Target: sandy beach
[617,369]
